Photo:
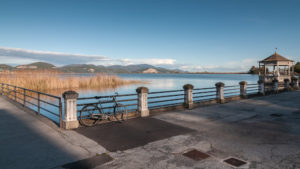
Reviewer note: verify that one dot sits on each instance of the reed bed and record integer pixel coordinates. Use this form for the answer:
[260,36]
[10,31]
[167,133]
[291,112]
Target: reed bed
[52,80]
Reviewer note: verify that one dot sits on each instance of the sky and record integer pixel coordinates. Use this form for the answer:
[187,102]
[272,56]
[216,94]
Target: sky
[193,35]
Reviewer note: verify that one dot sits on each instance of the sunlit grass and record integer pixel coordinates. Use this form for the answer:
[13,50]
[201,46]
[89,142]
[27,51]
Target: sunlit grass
[52,80]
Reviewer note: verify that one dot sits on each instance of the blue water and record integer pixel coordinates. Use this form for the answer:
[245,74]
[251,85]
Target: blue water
[156,82]
[161,82]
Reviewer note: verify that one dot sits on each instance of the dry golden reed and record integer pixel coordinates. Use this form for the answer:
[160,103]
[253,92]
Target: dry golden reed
[52,80]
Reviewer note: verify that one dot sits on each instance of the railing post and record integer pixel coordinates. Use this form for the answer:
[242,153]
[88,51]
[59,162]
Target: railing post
[60,114]
[220,92]
[6,89]
[243,89]
[275,86]
[39,103]
[143,101]
[188,96]
[15,89]
[2,89]
[24,101]
[295,82]
[261,87]
[286,84]
[70,116]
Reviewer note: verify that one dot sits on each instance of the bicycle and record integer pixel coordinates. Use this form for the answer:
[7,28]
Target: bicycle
[92,113]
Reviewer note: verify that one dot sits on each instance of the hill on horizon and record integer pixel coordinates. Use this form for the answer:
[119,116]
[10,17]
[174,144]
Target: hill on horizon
[90,68]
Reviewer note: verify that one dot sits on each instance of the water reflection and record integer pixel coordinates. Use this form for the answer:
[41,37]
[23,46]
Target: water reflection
[161,82]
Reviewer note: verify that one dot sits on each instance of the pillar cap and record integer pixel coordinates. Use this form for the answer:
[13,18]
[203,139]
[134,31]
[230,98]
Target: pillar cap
[70,94]
[274,80]
[188,86]
[294,78]
[220,84]
[243,83]
[142,90]
[286,80]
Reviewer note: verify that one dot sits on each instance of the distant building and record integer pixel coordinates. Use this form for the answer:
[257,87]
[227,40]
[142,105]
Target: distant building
[150,70]
[92,70]
[26,67]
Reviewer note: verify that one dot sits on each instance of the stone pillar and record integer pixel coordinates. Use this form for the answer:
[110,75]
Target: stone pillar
[188,96]
[261,87]
[70,115]
[243,89]
[143,101]
[2,89]
[286,84]
[295,82]
[220,92]
[275,86]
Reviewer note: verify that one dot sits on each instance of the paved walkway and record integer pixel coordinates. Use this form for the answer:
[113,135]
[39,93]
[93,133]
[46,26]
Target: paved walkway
[26,142]
[264,132]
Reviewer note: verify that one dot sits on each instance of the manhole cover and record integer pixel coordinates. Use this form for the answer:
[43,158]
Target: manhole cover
[276,115]
[235,162]
[196,155]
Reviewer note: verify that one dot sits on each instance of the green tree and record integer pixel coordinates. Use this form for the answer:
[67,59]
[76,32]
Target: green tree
[297,67]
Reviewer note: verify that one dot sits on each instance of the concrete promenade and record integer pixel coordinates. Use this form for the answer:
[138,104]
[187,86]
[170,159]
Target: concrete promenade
[263,131]
[28,141]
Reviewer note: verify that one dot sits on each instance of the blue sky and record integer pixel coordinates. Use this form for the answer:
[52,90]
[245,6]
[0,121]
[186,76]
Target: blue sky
[195,35]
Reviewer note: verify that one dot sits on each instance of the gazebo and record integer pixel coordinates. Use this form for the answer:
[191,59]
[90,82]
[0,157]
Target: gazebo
[276,67]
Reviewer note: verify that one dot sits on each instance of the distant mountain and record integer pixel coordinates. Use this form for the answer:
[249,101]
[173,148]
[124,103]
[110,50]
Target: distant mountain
[42,65]
[90,68]
[4,67]
[83,68]
[36,65]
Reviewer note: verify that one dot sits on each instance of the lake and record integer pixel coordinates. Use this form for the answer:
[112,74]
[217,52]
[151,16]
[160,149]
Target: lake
[156,82]
[160,82]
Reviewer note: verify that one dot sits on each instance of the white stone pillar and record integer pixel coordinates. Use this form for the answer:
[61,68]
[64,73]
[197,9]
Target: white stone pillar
[286,84]
[275,86]
[70,115]
[261,87]
[220,92]
[295,82]
[243,89]
[188,96]
[143,101]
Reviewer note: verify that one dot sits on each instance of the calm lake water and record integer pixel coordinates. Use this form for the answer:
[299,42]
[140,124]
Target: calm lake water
[157,82]
[160,82]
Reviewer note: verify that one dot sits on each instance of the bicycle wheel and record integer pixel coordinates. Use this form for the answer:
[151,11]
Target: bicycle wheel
[90,115]
[120,110]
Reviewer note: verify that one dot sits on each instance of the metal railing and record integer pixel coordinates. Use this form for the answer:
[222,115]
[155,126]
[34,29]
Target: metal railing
[204,94]
[128,100]
[252,88]
[230,91]
[167,98]
[41,103]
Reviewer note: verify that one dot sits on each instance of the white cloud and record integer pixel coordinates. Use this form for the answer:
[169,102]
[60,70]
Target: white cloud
[235,66]
[15,60]
[23,56]
[151,61]
[16,55]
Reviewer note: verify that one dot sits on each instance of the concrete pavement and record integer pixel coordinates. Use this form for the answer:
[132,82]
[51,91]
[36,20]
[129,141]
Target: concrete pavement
[27,142]
[264,132]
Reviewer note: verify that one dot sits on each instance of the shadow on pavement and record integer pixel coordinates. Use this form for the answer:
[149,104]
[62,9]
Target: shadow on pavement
[131,133]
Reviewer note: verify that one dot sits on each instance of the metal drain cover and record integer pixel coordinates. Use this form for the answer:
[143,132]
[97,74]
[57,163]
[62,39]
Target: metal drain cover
[276,115]
[235,162]
[196,155]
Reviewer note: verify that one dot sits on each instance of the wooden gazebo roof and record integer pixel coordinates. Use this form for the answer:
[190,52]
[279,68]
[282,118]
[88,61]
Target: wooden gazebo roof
[275,57]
